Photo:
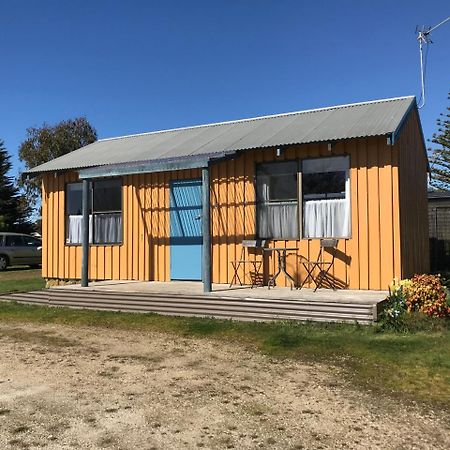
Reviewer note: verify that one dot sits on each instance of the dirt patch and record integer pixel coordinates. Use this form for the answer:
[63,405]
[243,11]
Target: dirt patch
[64,387]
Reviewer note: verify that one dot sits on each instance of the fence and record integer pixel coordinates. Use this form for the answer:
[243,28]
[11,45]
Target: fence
[439,227]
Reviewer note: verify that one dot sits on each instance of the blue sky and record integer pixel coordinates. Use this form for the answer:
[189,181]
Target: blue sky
[135,66]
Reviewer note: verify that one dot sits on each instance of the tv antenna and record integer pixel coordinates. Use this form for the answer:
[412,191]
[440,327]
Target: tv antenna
[423,36]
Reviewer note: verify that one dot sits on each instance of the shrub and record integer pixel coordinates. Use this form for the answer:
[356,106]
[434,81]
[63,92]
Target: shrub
[415,304]
[426,294]
[394,308]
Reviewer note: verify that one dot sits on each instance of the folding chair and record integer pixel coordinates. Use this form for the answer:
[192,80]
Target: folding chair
[244,260]
[330,246]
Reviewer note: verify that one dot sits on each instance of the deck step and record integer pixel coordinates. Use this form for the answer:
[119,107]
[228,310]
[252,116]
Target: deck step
[195,310]
[248,309]
[220,302]
[205,298]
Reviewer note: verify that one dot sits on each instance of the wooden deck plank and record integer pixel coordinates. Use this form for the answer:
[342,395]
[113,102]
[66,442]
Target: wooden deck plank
[234,304]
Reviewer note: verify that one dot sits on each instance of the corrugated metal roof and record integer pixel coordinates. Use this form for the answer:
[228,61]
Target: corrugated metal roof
[375,118]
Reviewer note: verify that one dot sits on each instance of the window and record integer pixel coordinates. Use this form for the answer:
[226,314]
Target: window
[30,241]
[277,204]
[12,240]
[74,218]
[105,212]
[326,197]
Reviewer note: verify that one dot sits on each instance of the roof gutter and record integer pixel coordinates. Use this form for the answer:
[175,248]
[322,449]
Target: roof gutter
[162,165]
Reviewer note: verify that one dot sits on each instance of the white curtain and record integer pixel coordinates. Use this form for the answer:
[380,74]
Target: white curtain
[277,220]
[326,218]
[107,228]
[74,235]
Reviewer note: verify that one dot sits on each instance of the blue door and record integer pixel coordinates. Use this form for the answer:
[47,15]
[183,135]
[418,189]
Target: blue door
[186,229]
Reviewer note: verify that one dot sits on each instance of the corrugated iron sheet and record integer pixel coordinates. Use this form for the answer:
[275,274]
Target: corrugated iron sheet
[381,117]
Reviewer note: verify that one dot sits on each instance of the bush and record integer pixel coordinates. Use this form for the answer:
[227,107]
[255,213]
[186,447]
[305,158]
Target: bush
[394,308]
[415,305]
[426,294]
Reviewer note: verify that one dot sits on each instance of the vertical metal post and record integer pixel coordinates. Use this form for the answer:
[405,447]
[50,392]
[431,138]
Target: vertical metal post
[85,235]
[206,257]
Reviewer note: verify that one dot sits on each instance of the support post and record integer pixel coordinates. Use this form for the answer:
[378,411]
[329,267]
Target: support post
[206,257]
[85,235]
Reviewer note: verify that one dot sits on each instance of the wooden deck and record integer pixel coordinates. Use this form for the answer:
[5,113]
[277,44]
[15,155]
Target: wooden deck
[187,299]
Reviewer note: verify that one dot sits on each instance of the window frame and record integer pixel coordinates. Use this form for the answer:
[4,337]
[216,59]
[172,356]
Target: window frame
[66,214]
[348,178]
[92,213]
[297,161]
[300,197]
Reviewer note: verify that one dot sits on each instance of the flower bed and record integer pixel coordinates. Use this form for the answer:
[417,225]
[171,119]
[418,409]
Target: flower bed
[421,294]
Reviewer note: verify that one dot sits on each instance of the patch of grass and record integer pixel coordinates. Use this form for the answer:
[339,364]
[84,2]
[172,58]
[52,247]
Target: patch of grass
[19,272]
[413,365]
[37,337]
[33,284]
[20,280]
[205,327]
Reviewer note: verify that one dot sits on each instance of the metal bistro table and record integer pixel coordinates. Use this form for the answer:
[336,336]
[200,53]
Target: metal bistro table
[281,256]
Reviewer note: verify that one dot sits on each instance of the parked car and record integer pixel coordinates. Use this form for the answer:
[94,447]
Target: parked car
[17,249]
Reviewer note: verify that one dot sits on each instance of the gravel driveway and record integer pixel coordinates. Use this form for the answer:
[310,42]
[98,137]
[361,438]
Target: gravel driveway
[64,387]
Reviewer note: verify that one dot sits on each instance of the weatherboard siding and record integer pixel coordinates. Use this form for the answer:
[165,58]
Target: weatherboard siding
[370,259]
[414,230]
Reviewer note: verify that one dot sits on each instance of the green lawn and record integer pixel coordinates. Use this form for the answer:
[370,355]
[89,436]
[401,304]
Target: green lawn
[17,279]
[410,366]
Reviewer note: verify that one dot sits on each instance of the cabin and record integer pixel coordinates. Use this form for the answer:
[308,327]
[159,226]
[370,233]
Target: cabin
[177,204]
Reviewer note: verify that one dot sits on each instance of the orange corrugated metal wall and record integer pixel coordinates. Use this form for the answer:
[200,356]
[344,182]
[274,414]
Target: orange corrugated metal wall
[144,254]
[413,200]
[363,263]
[368,260]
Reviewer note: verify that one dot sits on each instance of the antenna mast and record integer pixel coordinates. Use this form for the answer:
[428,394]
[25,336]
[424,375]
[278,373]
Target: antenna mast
[423,36]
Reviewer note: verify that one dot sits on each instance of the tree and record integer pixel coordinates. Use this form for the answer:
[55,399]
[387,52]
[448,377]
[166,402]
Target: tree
[49,142]
[14,210]
[440,157]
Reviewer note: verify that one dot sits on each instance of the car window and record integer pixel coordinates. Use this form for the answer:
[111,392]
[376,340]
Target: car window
[31,241]
[13,241]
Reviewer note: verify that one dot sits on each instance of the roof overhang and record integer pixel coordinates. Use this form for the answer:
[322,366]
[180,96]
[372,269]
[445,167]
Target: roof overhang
[162,165]
[394,136]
